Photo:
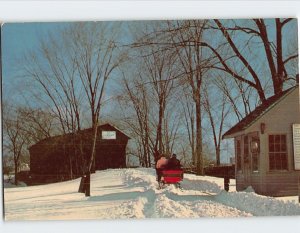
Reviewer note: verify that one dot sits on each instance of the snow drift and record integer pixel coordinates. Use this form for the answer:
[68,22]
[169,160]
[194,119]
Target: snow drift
[133,193]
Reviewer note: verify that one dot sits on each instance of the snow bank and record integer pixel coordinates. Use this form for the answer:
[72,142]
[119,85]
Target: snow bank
[134,193]
[258,205]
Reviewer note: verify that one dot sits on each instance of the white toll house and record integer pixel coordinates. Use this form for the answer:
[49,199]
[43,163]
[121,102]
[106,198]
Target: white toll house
[267,146]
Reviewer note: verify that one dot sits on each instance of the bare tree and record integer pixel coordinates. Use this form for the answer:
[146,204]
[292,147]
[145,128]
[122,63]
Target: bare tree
[52,76]
[138,97]
[37,123]
[184,38]
[7,163]
[276,56]
[96,57]
[238,95]
[160,70]
[217,114]
[189,117]
[149,93]
[172,122]
[71,69]
[187,37]
[53,72]
[15,138]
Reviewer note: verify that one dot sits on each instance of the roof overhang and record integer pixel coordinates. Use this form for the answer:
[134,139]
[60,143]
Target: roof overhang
[233,135]
[257,113]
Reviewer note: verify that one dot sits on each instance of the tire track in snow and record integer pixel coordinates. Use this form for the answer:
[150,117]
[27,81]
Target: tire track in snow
[171,203]
[136,178]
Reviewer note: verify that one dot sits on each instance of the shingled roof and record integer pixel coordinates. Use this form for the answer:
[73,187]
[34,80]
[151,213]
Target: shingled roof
[60,138]
[258,112]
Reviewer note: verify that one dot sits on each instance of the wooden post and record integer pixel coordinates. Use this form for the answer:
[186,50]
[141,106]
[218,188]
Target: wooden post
[82,183]
[299,189]
[88,185]
[226,183]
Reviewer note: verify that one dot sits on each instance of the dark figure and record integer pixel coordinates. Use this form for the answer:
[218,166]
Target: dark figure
[174,163]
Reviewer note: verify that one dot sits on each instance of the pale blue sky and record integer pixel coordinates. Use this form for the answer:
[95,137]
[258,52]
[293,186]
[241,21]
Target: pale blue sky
[21,38]
[17,38]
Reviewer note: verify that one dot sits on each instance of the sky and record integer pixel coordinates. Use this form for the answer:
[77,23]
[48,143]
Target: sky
[17,39]
[21,38]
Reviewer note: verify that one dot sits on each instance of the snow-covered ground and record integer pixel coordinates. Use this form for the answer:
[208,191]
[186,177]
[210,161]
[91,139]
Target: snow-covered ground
[133,193]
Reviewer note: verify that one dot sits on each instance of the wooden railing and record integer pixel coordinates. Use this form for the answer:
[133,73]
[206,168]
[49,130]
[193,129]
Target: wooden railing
[222,171]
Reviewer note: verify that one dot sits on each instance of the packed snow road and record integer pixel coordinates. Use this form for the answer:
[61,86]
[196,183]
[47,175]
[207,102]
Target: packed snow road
[133,193]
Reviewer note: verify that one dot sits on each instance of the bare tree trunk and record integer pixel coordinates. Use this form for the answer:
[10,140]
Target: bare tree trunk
[218,153]
[91,163]
[199,155]
[159,142]
[216,121]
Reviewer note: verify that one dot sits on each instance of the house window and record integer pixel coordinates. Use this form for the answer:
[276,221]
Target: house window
[238,155]
[277,152]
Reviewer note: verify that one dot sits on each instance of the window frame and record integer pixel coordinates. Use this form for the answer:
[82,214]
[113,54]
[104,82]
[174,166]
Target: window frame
[280,152]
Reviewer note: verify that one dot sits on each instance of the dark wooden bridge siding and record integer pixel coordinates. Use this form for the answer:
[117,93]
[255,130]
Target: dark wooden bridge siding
[51,159]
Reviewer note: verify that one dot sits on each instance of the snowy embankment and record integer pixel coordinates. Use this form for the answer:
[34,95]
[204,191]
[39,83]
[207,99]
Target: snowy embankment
[133,193]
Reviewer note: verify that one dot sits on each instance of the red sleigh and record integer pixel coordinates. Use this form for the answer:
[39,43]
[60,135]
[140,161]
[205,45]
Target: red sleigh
[171,177]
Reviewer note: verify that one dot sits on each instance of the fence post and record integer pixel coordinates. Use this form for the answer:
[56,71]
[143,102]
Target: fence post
[299,189]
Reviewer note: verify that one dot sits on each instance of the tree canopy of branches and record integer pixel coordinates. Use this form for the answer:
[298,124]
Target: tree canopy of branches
[243,39]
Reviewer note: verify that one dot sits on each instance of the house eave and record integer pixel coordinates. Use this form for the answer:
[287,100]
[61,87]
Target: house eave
[264,112]
[233,135]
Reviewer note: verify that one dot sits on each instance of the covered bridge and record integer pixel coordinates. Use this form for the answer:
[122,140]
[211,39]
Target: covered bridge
[64,157]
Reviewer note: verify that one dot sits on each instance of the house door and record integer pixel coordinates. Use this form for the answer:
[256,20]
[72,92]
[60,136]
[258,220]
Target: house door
[247,162]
